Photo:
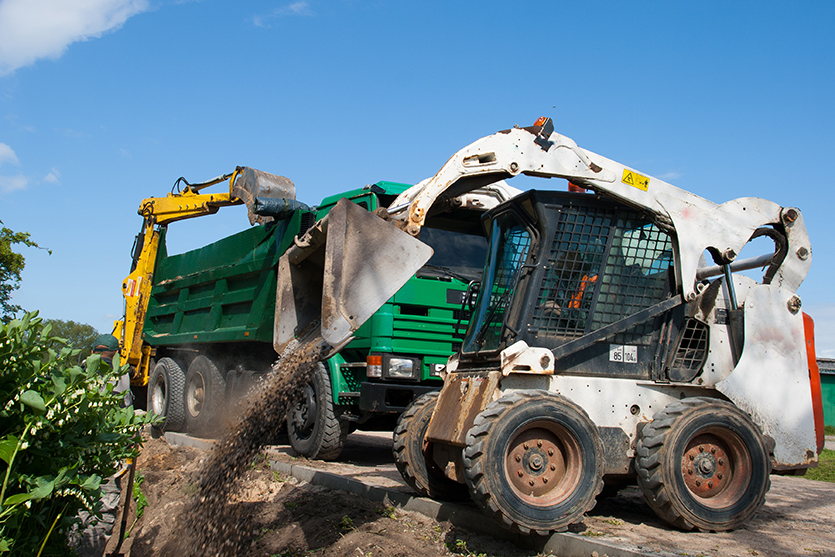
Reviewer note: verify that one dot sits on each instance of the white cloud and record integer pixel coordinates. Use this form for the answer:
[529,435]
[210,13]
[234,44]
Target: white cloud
[34,29]
[54,177]
[7,154]
[671,176]
[9,184]
[295,9]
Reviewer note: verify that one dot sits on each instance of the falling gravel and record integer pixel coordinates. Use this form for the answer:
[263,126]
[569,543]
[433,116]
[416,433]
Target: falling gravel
[217,526]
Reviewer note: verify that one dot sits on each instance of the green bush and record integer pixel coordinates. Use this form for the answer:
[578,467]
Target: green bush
[62,430]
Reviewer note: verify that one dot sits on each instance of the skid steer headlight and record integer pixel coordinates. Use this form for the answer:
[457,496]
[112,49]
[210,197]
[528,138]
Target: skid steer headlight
[398,367]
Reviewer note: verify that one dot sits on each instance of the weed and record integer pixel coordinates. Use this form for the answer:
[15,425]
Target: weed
[387,512]
[592,534]
[277,477]
[614,522]
[460,548]
[825,471]
[346,523]
[191,489]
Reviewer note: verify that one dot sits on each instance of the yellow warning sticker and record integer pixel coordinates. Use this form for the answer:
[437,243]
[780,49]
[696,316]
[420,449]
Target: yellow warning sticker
[632,178]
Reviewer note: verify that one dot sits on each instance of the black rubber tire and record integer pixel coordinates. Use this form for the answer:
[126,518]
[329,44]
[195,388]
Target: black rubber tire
[165,394]
[413,457]
[313,428]
[204,396]
[703,464]
[504,454]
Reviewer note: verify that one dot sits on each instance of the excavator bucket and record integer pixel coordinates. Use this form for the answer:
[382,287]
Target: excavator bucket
[340,272]
[254,187]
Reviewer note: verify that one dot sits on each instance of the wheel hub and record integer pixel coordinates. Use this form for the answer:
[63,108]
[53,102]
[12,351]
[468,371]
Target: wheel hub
[705,466]
[540,464]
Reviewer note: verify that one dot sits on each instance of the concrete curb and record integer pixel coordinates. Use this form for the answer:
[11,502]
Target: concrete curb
[564,544]
[829,442]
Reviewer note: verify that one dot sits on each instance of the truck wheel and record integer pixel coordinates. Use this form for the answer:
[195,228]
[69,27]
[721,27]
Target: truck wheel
[312,425]
[204,396]
[534,462]
[702,463]
[165,394]
[413,457]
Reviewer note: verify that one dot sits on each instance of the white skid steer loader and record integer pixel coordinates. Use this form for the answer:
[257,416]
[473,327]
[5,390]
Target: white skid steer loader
[601,348]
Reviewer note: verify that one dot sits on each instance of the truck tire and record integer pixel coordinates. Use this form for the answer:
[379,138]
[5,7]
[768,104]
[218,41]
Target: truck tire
[412,453]
[205,396]
[534,462]
[165,394]
[313,428]
[702,463]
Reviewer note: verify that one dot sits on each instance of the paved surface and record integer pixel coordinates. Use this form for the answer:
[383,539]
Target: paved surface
[830,442]
[797,518]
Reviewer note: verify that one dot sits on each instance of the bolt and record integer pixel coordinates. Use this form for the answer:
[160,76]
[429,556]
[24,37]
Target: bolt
[539,444]
[690,471]
[701,449]
[721,462]
[553,467]
[692,457]
[698,483]
[713,450]
[802,253]
[545,480]
[550,452]
[526,446]
[514,167]
[520,473]
[794,304]
[719,475]
[530,483]
[790,216]
[518,458]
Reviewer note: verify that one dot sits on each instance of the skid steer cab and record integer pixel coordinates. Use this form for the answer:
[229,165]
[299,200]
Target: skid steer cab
[603,349]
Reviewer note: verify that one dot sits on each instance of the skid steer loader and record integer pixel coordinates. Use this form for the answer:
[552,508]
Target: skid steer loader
[602,346]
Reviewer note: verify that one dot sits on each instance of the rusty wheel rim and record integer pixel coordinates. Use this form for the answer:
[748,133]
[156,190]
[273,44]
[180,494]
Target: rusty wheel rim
[543,463]
[195,392]
[716,467]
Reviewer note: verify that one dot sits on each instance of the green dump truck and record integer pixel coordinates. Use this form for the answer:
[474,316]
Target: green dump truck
[208,329]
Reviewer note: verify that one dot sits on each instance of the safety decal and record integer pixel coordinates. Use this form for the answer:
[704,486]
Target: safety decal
[632,178]
[132,287]
[623,353]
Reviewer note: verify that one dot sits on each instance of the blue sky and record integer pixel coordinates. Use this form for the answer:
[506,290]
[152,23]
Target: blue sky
[106,102]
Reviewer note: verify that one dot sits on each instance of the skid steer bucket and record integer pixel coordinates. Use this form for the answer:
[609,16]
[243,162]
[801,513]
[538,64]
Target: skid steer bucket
[340,272]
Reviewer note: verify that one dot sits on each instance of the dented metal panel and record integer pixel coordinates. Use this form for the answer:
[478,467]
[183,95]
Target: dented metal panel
[463,397]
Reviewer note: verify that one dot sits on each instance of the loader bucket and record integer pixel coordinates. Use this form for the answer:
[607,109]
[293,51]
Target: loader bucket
[340,272]
[253,184]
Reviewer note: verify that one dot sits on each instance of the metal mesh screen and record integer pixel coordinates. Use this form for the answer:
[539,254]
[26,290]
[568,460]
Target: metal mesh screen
[604,265]
[635,277]
[692,349]
[574,261]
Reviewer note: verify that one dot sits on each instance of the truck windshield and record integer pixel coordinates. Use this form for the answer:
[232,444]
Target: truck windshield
[457,254]
[507,251]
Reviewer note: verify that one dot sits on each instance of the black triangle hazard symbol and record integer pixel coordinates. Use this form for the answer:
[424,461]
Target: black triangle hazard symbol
[627,179]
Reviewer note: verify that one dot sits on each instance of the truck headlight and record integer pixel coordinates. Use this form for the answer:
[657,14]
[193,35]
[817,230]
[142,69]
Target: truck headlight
[397,367]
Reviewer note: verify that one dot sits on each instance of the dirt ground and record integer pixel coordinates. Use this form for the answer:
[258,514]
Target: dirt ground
[293,518]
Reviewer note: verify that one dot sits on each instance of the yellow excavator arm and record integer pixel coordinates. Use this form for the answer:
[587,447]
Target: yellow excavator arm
[246,186]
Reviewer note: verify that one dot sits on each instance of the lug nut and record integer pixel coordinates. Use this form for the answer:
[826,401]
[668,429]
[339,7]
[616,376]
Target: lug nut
[518,458]
[692,457]
[520,473]
[719,476]
[545,480]
[710,485]
[539,444]
[701,449]
[526,446]
[690,471]
[531,483]
[550,452]
[553,467]
[698,483]
[713,450]
[721,462]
